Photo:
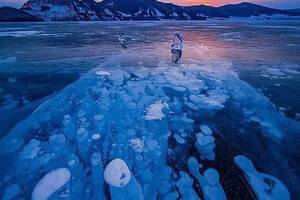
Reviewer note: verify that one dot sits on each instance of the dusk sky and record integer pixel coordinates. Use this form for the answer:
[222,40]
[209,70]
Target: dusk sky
[284,4]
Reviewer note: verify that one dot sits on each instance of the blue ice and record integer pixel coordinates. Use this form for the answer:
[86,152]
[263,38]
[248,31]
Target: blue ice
[130,113]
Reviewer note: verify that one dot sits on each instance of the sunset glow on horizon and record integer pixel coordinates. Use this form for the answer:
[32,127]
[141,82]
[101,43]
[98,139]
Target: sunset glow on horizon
[211,2]
[281,4]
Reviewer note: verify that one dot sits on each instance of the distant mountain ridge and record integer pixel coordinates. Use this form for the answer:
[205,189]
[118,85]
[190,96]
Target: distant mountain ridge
[249,9]
[78,10]
[62,10]
[9,14]
[294,10]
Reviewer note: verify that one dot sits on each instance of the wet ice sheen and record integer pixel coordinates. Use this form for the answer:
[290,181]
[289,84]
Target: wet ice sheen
[112,127]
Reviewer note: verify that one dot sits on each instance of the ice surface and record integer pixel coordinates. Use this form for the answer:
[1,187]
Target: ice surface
[231,36]
[19,33]
[50,183]
[266,187]
[7,60]
[279,73]
[134,114]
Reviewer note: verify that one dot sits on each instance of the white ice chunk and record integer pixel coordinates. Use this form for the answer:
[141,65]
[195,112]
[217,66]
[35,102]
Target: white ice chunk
[116,173]
[154,111]
[50,183]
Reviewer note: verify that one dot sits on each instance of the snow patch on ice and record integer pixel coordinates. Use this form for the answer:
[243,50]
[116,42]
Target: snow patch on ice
[155,111]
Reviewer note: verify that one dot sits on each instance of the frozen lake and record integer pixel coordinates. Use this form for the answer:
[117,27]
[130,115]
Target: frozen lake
[241,78]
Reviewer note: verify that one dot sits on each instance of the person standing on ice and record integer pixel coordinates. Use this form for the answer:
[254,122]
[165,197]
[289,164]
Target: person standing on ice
[176,48]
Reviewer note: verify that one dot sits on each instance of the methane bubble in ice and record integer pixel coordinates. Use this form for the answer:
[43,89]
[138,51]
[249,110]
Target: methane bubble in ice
[264,186]
[50,183]
[117,173]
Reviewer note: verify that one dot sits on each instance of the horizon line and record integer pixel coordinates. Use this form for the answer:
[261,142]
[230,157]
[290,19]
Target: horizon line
[18,6]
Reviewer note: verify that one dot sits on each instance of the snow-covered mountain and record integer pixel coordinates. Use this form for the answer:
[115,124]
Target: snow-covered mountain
[108,10]
[148,10]
[9,14]
[62,10]
[249,9]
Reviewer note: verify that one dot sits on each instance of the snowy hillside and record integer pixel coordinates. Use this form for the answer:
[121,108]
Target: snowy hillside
[8,14]
[56,10]
[149,10]
[63,10]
